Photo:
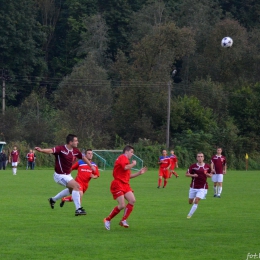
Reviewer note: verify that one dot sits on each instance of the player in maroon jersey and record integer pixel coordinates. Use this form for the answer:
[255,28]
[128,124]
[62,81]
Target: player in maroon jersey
[14,159]
[198,172]
[164,166]
[84,176]
[120,187]
[218,167]
[64,155]
[174,163]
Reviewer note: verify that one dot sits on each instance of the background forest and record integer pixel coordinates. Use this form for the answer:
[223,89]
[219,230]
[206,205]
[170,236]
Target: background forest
[101,69]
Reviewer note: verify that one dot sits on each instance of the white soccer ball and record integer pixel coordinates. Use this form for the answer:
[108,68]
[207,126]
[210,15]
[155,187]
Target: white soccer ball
[226,42]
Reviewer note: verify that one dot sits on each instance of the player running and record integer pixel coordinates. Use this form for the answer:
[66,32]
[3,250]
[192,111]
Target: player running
[218,167]
[64,155]
[198,172]
[84,175]
[164,166]
[120,187]
[174,163]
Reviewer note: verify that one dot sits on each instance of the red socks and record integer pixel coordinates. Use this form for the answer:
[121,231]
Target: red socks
[113,213]
[128,210]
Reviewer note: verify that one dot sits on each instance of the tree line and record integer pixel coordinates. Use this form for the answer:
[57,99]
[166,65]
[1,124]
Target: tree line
[100,69]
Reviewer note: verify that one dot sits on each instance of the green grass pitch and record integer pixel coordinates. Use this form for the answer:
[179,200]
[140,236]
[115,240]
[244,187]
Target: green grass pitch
[226,228]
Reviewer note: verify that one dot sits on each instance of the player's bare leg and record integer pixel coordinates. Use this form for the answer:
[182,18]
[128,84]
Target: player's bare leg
[175,174]
[115,211]
[129,196]
[195,202]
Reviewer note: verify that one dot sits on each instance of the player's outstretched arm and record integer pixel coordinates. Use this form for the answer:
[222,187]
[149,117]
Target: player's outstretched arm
[46,150]
[86,160]
[140,172]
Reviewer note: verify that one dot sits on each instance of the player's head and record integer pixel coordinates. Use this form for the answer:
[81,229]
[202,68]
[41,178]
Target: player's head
[30,151]
[15,147]
[128,151]
[164,152]
[219,151]
[172,151]
[72,140]
[89,154]
[200,157]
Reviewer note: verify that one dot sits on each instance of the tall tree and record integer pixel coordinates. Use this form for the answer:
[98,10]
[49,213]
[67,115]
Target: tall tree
[20,47]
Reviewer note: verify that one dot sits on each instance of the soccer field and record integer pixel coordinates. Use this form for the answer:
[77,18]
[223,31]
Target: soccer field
[226,228]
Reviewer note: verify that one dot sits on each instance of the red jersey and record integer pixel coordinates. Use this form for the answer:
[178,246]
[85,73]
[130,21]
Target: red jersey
[200,181]
[14,156]
[84,171]
[119,172]
[165,161]
[30,157]
[219,163]
[174,160]
[64,158]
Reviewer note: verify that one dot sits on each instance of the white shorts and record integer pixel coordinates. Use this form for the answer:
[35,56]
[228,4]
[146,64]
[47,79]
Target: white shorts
[62,179]
[196,193]
[14,164]
[217,178]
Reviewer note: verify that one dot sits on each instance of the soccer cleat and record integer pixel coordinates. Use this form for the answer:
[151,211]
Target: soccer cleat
[124,224]
[218,196]
[107,224]
[188,216]
[62,203]
[163,186]
[177,176]
[80,211]
[52,202]
[158,187]
[215,195]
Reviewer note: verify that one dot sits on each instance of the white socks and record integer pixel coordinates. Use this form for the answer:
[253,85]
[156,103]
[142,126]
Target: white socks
[76,198]
[215,190]
[62,194]
[14,171]
[193,208]
[219,190]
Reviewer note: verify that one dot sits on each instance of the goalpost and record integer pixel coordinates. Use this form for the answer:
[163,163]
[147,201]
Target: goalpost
[105,159]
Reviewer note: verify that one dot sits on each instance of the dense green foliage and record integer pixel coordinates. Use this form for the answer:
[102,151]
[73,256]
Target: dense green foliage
[100,69]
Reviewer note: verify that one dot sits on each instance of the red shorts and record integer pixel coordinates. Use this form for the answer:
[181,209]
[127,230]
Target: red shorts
[164,173]
[118,188]
[83,186]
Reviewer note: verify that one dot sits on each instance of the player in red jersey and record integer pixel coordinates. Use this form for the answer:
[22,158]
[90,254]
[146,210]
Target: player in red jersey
[63,162]
[218,167]
[120,187]
[30,159]
[85,174]
[14,159]
[174,163]
[198,172]
[164,166]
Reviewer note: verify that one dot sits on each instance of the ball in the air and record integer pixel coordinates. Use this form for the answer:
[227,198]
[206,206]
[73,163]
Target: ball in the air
[226,42]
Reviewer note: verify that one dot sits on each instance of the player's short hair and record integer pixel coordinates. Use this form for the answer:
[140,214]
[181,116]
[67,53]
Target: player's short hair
[200,153]
[128,148]
[70,138]
[89,150]
[219,148]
